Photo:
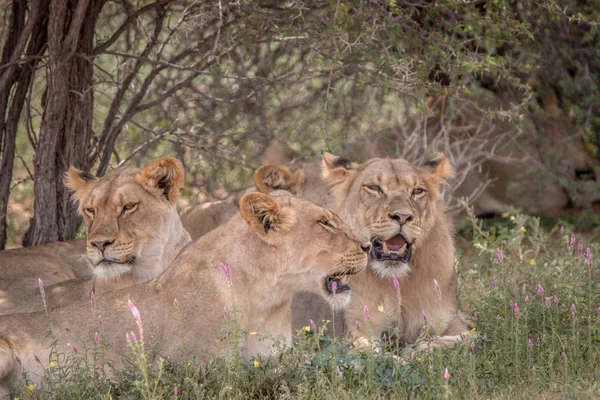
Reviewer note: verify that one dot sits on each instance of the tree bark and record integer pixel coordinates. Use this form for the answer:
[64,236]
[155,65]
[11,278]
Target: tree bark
[27,35]
[66,129]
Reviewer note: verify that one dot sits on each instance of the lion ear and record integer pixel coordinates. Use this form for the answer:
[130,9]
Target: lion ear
[163,177]
[336,169]
[438,170]
[269,178]
[78,182]
[266,216]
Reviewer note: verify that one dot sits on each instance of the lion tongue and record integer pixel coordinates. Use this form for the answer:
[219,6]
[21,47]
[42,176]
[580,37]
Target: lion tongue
[396,244]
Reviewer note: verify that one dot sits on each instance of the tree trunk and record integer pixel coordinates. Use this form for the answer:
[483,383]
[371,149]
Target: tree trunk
[27,35]
[66,130]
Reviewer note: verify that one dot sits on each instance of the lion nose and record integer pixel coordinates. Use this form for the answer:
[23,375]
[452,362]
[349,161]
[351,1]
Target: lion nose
[102,244]
[402,218]
[366,247]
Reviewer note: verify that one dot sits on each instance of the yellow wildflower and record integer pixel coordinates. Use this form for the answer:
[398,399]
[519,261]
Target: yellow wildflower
[306,328]
[523,229]
[380,308]
[512,217]
[52,365]
[16,398]
[505,215]
[31,387]
[189,364]
[532,262]
[253,333]
[473,330]
[256,364]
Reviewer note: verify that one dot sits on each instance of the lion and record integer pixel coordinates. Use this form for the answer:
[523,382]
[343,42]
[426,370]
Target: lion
[248,268]
[133,233]
[397,205]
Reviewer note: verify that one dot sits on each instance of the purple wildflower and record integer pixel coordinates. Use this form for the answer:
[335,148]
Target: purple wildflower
[500,255]
[548,303]
[397,287]
[572,241]
[226,271]
[366,311]
[494,283]
[384,337]
[517,311]
[472,345]
[580,247]
[357,324]
[175,392]
[436,286]
[564,356]
[527,300]
[573,308]
[446,374]
[512,304]
[529,343]
[540,289]
[138,318]
[133,337]
[588,255]
[555,300]
[93,300]
[96,338]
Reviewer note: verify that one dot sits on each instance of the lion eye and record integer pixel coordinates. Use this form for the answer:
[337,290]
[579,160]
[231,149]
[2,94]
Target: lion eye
[129,207]
[326,223]
[375,188]
[418,192]
[89,211]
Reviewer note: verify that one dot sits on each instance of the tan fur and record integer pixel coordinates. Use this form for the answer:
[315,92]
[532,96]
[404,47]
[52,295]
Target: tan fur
[264,276]
[430,232]
[268,179]
[141,241]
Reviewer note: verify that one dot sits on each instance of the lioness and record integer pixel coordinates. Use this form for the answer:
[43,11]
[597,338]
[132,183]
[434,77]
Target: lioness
[273,248]
[133,234]
[397,206]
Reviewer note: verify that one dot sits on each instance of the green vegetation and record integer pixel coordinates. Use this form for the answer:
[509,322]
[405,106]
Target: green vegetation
[533,293]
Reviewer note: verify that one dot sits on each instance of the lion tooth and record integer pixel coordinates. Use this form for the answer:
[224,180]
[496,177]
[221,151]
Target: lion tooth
[403,249]
[344,279]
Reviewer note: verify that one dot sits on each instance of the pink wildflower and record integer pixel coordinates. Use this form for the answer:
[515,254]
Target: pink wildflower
[133,337]
[517,311]
[138,318]
[22,372]
[498,317]
[555,300]
[573,309]
[564,356]
[572,241]
[397,287]
[313,326]
[500,255]
[175,392]
[580,247]
[366,311]
[226,271]
[384,337]
[100,321]
[472,345]
[588,255]
[93,300]
[548,303]
[494,283]
[527,300]
[96,338]
[436,286]
[175,303]
[540,289]
[446,374]
[225,312]
[42,291]
[529,343]
[357,324]
[127,338]
[512,304]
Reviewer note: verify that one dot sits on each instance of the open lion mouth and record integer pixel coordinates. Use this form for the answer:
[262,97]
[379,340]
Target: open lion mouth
[341,284]
[396,248]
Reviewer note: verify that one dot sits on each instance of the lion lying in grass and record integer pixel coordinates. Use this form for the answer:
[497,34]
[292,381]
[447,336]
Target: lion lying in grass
[397,206]
[276,246]
[133,234]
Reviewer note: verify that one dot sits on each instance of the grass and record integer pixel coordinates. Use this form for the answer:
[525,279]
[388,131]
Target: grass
[534,295]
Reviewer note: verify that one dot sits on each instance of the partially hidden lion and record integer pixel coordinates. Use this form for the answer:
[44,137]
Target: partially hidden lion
[133,234]
[247,269]
[397,206]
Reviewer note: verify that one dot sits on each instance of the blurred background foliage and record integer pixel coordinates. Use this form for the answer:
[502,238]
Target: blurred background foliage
[213,83]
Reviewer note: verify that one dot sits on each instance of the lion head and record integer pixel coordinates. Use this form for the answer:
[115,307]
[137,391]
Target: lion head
[390,201]
[324,250]
[133,229]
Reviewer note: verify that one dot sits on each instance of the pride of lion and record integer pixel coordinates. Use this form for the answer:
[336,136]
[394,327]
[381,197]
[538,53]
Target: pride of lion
[303,238]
